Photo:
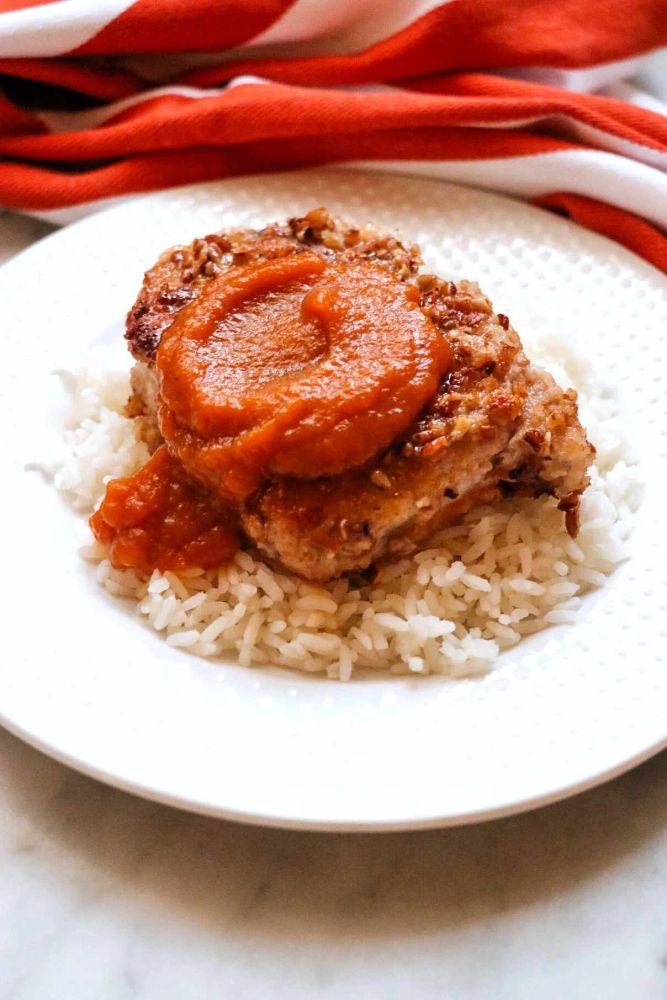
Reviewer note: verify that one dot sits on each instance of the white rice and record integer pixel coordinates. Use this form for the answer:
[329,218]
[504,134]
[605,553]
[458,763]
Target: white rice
[479,587]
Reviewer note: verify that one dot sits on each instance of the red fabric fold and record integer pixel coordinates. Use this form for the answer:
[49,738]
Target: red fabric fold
[636,234]
[109,100]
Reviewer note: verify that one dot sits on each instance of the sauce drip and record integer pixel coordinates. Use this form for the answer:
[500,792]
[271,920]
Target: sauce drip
[295,367]
[159,518]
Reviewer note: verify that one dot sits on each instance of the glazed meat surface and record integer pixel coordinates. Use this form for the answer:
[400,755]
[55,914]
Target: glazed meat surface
[496,427]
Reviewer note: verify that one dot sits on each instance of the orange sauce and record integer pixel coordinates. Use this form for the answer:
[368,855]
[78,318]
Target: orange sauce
[295,367]
[159,518]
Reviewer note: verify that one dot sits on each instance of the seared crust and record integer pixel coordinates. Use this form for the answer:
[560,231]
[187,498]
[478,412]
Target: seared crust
[180,272]
[496,427]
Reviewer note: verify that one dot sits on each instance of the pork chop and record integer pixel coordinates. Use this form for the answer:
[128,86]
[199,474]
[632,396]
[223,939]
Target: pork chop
[497,426]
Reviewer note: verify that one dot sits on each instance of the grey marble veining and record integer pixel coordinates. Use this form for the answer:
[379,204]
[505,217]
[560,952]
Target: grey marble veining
[107,897]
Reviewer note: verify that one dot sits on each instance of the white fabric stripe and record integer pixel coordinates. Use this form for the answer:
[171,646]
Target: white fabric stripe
[240,81]
[343,26]
[568,125]
[55,29]
[330,26]
[633,95]
[562,124]
[653,75]
[635,187]
[77,121]
[308,28]
[74,121]
[162,67]
[614,144]
[587,79]
[597,138]
[606,177]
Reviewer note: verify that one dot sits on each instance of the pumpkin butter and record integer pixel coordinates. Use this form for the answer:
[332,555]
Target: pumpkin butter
[160,518]
[294,367]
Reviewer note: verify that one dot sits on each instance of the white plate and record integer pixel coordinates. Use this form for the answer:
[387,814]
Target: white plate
[82,678]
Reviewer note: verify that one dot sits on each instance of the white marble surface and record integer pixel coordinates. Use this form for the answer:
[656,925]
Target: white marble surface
[106,897]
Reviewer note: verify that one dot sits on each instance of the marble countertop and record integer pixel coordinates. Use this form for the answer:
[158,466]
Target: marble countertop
[106,897]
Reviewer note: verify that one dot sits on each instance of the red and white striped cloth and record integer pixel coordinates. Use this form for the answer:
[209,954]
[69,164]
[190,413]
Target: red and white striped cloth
[556,101]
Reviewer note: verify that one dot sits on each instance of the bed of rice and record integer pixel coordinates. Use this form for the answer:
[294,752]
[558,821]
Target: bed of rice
[451,609]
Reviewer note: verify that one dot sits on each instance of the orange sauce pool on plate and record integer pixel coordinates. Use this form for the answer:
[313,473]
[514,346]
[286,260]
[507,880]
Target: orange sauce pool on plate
[160,518]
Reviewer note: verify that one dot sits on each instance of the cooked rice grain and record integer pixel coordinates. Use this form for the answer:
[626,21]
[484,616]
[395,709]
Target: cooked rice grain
[504,573]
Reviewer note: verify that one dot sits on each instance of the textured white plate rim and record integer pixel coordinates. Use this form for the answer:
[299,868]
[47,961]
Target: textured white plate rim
[318,826]
[303,821]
